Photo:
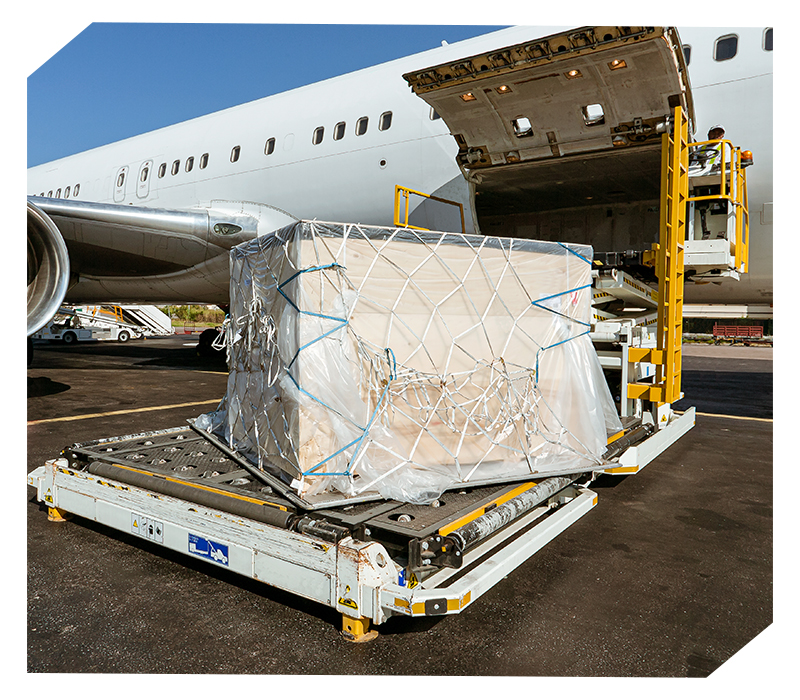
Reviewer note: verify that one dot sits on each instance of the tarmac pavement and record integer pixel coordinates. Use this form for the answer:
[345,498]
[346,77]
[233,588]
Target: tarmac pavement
[668,576]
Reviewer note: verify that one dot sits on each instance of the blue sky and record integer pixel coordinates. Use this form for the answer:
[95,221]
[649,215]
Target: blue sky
[116,80]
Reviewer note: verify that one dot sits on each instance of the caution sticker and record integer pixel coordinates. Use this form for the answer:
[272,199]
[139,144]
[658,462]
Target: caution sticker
[147,527]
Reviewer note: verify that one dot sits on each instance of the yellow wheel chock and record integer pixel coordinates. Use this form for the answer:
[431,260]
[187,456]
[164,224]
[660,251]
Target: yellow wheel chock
[56,515]
[356,629]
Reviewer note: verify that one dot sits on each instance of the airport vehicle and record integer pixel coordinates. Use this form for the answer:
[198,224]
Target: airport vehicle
[72,325]
[373,560]
[150,319]
[154,321]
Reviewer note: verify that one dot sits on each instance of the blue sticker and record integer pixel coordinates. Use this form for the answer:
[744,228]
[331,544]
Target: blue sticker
[208,549]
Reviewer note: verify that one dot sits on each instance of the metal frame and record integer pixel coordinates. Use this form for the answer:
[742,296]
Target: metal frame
[669,270]
[358,579]
[732,180]
[635,458]
[405,192]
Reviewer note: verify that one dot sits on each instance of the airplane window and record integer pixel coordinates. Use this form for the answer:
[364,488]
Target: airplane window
[120,179]
[203,160]
[687,53]
[434,114]
[189,164]
[77,189]
[338,131]
[319,133]
[235,153]
[593,115]
[143,175]
[66,193]
[361,126]
[522,127]
[58,193]
[269,147]
[768,39]
[725,48]
[385,121]
[50,193]
[176,166]
[162,170]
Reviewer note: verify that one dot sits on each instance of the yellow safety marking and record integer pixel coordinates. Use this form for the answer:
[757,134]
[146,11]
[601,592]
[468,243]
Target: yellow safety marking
[469,517]
[646,355]
[402,603]
[122,413]
[203,487]
[614,437]
[594,500]
[723,415]
[645,290]
[459,603]
[113,486]
[652,392]
[418,609]
[621,470]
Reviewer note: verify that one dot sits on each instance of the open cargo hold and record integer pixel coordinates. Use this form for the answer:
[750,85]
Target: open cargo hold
[383,362]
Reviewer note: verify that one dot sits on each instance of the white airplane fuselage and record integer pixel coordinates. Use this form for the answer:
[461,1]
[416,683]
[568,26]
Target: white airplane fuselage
[352,178]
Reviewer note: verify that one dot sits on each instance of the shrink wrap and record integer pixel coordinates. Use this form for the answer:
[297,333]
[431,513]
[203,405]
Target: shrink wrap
[400,363]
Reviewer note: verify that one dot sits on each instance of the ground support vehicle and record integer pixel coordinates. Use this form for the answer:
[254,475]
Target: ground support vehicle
[181,489]
[72,325]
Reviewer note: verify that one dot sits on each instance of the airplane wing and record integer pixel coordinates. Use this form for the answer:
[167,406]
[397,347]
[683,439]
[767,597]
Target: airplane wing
[134,253]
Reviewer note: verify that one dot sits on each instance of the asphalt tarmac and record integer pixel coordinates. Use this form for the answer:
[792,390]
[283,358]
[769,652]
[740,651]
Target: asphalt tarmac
[668,576]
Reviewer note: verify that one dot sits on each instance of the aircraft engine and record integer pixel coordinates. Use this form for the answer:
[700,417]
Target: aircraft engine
[48,268]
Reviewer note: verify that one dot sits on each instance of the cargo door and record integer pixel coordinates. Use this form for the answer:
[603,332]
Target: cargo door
[564,122]
[588,90]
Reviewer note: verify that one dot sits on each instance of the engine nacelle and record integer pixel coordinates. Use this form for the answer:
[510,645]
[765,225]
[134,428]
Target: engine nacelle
[48,268]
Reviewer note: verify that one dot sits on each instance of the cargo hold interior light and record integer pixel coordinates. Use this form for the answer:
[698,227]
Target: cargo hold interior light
[574,73]
[503,89]
[467,97]
[617,63]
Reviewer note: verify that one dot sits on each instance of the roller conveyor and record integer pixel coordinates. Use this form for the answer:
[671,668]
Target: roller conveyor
[369,561]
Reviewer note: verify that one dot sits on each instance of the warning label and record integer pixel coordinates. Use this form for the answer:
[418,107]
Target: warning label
[208,549]
[147,528]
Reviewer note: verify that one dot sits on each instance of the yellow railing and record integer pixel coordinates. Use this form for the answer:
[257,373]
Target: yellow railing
[667,355]
[405,193]
[733,187]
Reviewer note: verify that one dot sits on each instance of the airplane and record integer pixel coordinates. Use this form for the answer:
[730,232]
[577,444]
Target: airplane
[152,218]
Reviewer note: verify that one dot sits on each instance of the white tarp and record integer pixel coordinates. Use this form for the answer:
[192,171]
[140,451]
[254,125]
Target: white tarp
[401,363]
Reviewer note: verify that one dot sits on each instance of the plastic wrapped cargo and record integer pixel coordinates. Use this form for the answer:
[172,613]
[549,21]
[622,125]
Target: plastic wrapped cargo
[400,363]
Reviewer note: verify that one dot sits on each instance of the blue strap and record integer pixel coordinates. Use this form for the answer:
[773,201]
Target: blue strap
[364,431]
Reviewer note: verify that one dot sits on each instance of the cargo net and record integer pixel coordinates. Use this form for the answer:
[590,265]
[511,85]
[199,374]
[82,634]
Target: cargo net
[400,363]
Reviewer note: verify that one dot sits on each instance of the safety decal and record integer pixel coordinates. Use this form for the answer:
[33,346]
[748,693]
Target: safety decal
[147,528]
[208,549]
